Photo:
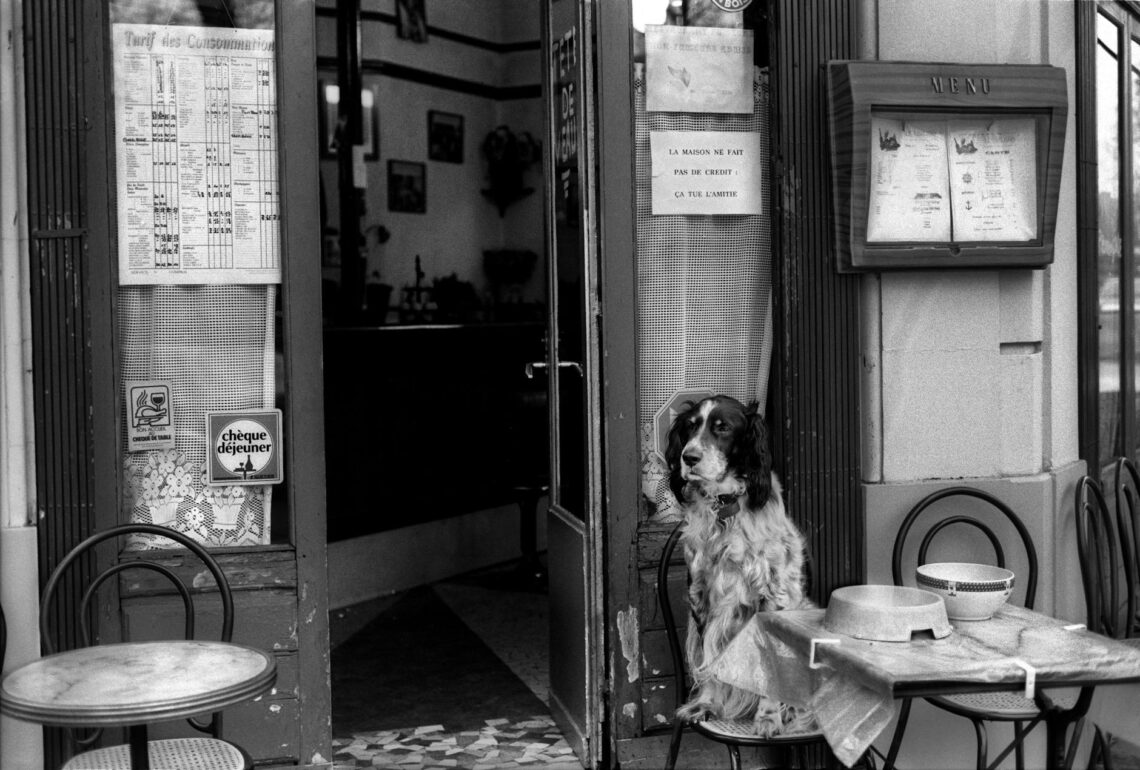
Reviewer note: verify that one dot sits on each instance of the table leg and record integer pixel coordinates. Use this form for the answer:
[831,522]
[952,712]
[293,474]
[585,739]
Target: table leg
[140,757]
[1057,723]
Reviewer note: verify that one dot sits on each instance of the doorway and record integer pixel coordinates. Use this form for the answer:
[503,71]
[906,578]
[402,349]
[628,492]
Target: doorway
[436,440]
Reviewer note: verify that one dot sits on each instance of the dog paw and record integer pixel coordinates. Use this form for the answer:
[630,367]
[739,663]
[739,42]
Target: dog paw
[696,711]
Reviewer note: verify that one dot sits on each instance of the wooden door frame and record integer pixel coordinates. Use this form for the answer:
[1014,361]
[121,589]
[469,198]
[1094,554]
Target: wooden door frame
[303,423]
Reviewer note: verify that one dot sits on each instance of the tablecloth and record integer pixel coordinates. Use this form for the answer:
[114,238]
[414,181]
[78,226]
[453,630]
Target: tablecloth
[851,684]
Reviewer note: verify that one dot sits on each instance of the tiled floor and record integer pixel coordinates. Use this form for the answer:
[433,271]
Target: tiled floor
[500,744]
[514,625]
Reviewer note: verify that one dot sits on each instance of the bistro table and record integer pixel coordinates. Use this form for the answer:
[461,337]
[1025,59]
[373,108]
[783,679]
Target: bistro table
[852,684]
[134,683]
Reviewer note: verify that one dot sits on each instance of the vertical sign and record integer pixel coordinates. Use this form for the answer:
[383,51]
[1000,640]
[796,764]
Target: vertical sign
[564,77]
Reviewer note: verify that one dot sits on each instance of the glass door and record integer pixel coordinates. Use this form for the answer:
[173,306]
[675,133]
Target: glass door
[573,380]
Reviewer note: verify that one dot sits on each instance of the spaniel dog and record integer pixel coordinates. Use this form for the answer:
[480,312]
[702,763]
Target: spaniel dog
[744,554]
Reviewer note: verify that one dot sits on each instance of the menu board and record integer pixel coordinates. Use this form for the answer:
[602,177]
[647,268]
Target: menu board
[968,179]
[196,160]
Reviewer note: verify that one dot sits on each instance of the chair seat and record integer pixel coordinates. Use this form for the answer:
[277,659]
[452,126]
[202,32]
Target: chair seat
[744,731]
[172,754]
[1002,705]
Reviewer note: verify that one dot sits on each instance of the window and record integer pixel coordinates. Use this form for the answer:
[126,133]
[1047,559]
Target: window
[1114,258]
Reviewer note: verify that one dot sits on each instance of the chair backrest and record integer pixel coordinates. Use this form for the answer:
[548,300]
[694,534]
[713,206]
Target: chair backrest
[3,637]
[939,522]
[1128,528]
[671,631]
[1110,597]
[139,560]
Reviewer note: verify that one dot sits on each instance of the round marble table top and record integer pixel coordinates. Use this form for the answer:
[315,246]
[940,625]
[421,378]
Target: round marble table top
[136,682]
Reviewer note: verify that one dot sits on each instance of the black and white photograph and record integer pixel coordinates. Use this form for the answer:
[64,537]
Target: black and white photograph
[759,390]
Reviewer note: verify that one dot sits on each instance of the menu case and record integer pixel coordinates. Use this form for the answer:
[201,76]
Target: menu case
[945,165]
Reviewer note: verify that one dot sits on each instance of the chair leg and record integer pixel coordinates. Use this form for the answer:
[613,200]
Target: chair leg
[674,743]
[733,756]
[1105,749]
[1019,749]
[980,731]
[896,741]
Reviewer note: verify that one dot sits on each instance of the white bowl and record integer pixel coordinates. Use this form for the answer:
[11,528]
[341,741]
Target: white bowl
[971,591]
[885,613]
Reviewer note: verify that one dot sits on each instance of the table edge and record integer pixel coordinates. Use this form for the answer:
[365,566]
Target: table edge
[86,715]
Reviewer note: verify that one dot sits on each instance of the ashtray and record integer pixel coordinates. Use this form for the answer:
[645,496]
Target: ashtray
[885,613]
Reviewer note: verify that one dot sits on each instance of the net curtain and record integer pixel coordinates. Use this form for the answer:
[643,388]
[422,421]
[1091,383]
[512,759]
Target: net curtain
[216,346]
[704,289]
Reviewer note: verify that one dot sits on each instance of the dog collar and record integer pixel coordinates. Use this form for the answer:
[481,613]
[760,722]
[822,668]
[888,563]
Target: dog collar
[726,506]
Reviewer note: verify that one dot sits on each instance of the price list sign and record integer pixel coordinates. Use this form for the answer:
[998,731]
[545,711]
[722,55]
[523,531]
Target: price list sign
[196,137]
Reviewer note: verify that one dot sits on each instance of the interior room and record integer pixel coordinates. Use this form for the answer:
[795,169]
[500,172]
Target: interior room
[436,441]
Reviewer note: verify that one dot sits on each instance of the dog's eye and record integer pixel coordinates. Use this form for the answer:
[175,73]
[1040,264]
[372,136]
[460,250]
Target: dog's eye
[720,426]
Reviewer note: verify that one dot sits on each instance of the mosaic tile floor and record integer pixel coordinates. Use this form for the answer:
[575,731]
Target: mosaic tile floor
[500,744]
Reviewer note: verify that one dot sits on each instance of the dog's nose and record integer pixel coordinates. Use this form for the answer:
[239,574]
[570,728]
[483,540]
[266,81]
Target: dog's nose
[691,458]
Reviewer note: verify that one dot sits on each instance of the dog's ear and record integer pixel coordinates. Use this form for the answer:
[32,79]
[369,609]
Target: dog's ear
[678,437]
[757,463]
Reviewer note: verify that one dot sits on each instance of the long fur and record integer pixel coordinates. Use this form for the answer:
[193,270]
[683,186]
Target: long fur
[739,565]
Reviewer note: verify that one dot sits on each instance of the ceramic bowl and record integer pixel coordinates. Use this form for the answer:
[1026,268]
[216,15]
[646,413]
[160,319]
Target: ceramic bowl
[971,591]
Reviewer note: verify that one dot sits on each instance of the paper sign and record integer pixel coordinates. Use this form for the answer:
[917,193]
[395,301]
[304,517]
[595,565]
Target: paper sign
[706,172]
[150,416]
[910,189]
[196,155]
[245,447]
[698,69]
[993,179]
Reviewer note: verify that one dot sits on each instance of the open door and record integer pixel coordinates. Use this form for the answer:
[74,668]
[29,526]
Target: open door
[576,651]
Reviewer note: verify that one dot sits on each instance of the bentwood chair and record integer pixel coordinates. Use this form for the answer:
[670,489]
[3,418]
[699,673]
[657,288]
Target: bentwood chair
[196,753]
[1127,483]
[1106,576]
[980,709]
[733,734]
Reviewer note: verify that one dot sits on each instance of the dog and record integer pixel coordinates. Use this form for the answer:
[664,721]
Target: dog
[743,552]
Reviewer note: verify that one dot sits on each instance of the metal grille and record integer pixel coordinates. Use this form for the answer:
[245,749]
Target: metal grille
[816,360]
[57,252]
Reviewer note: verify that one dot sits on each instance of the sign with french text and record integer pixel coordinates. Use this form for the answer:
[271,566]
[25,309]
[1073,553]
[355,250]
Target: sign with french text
[196,155]
[698,69]
[150,415]
[706,172]
[245,447]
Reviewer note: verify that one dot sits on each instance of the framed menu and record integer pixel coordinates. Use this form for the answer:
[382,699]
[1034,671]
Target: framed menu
[945,165]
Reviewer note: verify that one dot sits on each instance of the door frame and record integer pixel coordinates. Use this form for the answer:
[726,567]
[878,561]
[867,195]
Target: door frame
[618,550]
[590,532]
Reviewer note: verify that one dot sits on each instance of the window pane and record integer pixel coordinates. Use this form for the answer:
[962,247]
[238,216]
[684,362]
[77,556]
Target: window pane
[1108,236]
[197,224]
[1134,119]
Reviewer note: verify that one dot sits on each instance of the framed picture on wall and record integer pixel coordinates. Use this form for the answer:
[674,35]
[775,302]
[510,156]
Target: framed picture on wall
[411,20]
[407,187]
[445,136]
[331,139]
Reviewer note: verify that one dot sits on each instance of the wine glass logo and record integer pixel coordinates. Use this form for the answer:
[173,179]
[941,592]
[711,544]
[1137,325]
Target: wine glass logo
[149,407]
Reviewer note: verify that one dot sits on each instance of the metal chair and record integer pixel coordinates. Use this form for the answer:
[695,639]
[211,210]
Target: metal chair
[1011,707]
[1108,578]
[731,733]
[1127,487]
[197,753]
